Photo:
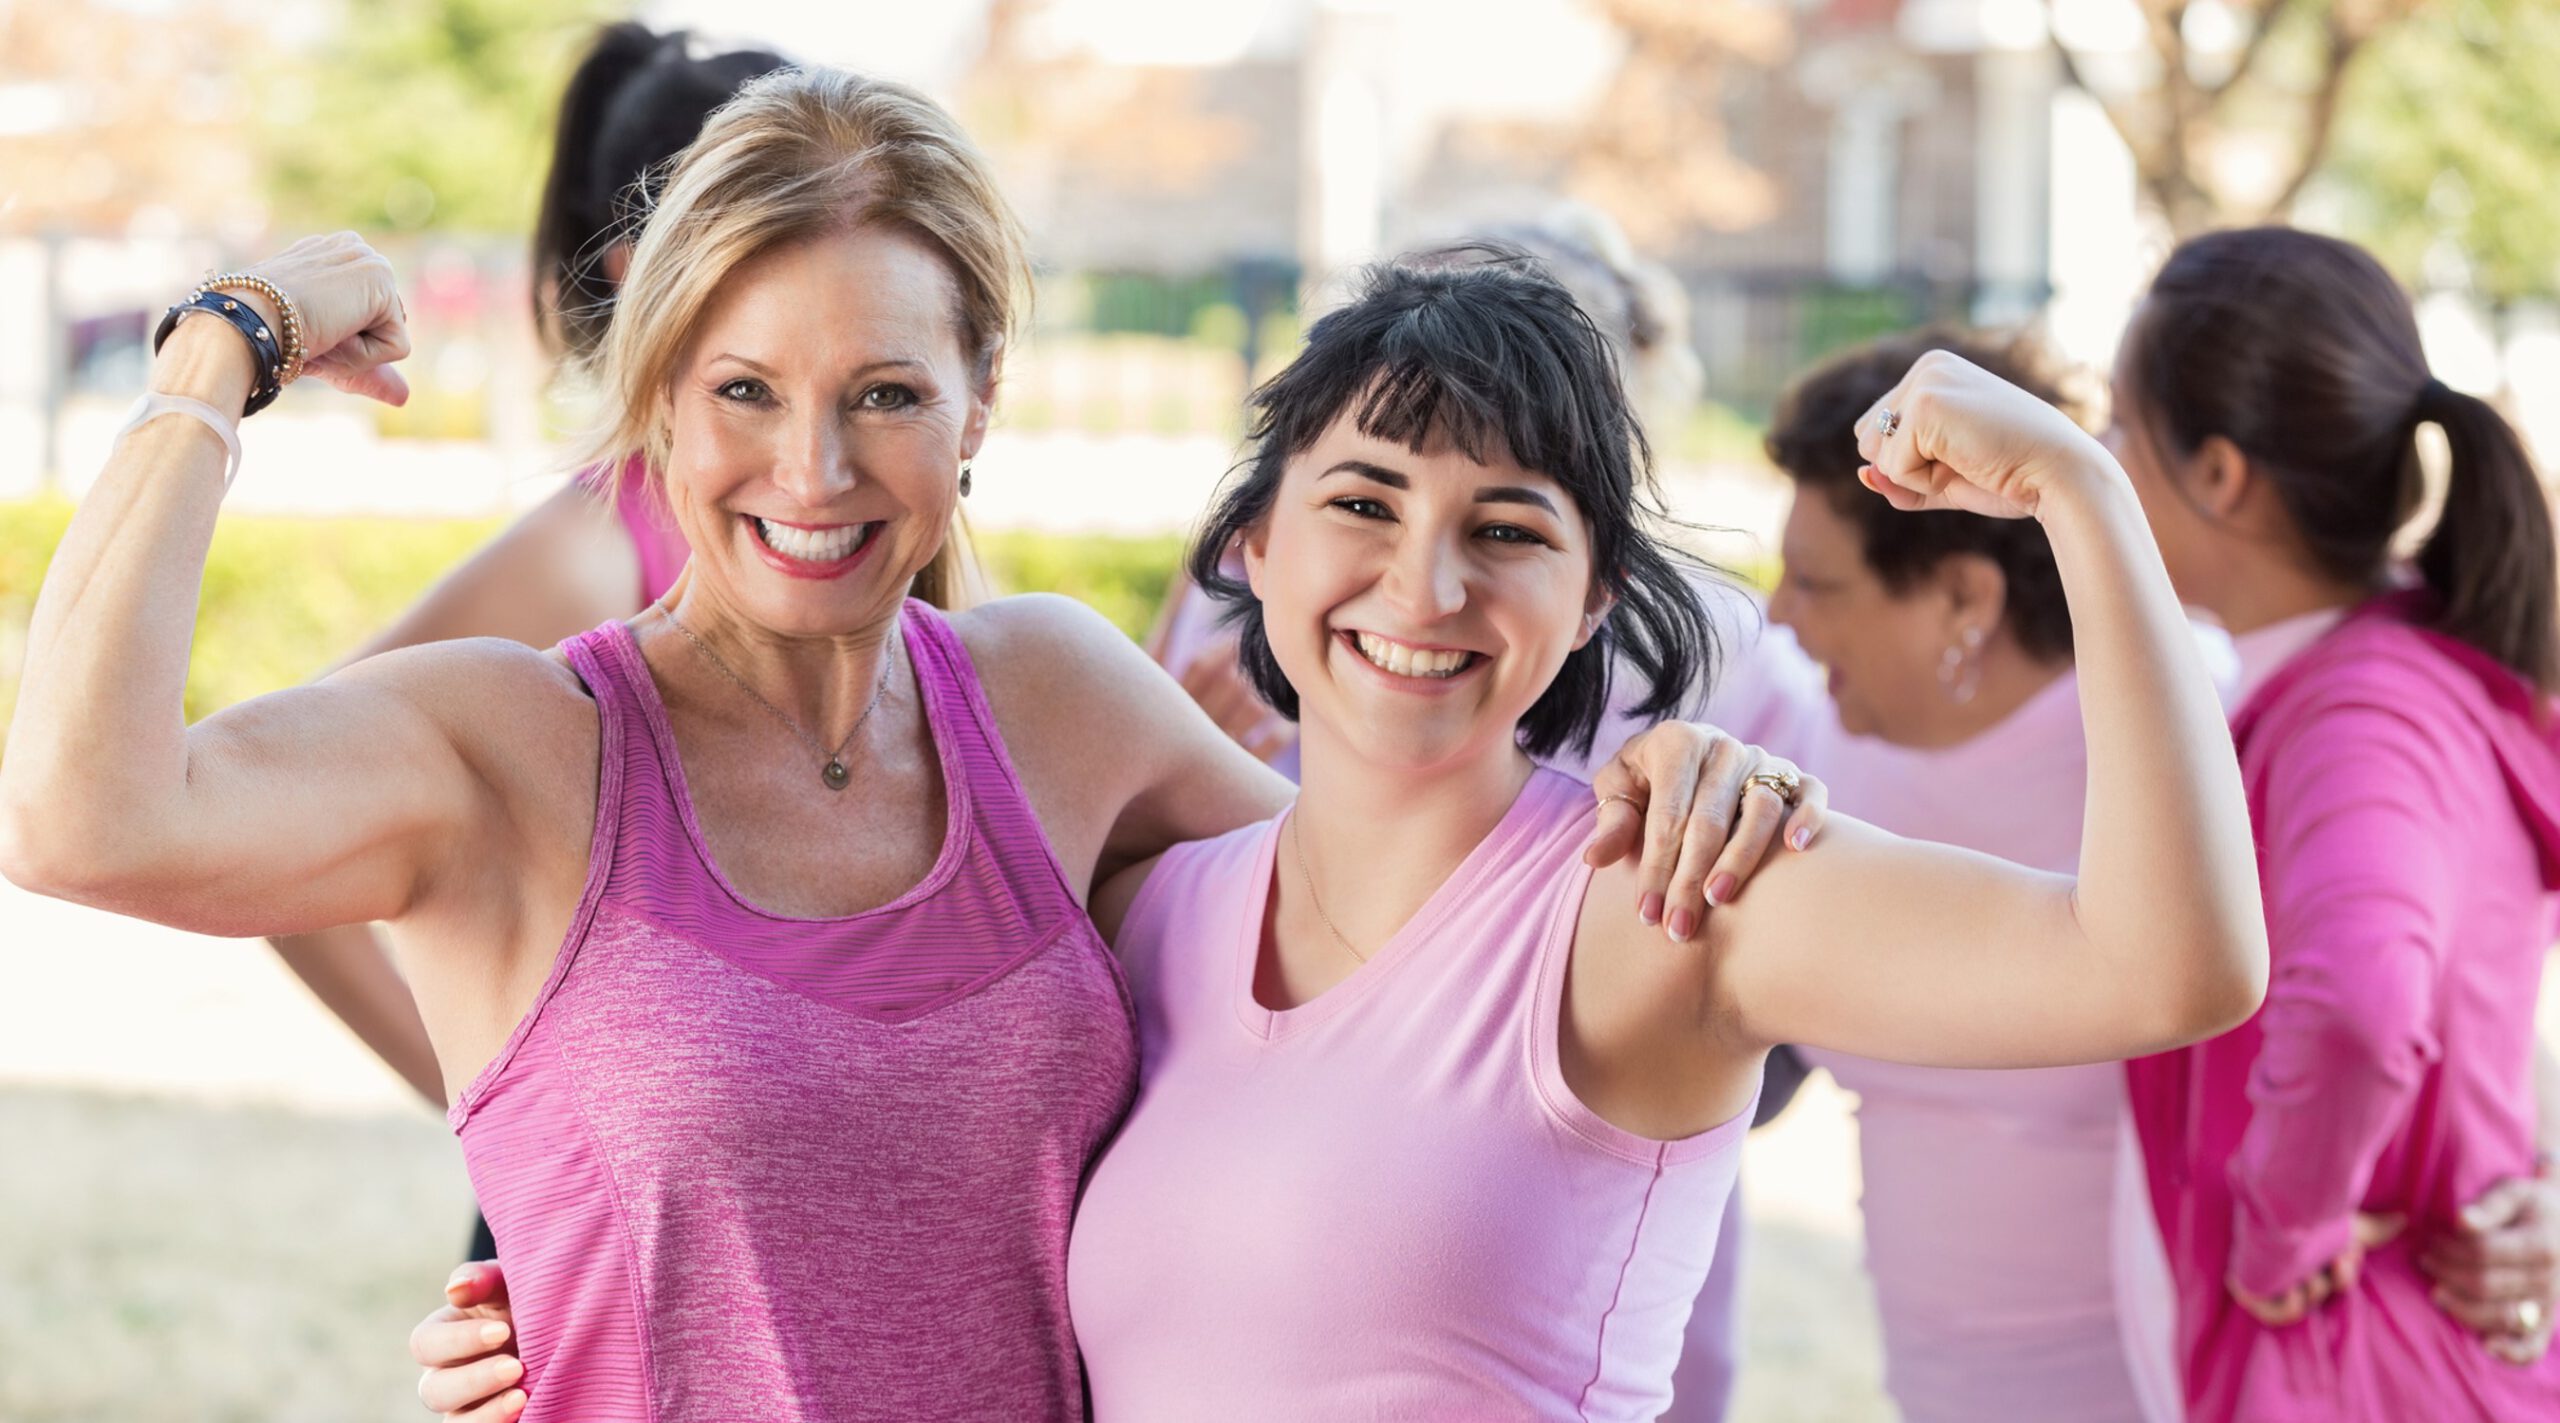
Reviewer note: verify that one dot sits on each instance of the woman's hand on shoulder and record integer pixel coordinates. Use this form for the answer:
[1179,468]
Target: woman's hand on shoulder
[1700,809]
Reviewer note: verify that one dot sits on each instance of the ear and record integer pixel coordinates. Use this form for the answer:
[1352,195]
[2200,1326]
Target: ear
[1595,615]
[1977,591]
[1254,543]
[982,405]
[2219,477]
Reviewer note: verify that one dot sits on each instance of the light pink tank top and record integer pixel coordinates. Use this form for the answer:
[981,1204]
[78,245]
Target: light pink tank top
[746,1165]
[1384,1203]
[2016,1268]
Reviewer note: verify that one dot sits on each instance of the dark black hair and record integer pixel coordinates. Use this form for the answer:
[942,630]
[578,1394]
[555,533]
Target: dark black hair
[1493,355]
[634,103]
[2304,353]
[1813,439]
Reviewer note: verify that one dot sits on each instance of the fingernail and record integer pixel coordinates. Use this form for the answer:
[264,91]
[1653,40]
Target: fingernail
[1681,924]
[460,1281]
[512,1401]
[1802,837]
[1719,890]
[510,1368]
[1649,909]
[493,1333]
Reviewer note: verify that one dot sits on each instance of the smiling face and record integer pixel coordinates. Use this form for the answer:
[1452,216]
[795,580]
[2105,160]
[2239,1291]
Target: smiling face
[1419,603]
[816,423]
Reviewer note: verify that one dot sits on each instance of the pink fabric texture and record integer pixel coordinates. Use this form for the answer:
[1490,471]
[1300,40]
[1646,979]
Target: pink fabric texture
[2004,1228]
[1384,1203]
[2407,814]
[644,517]
[854,1142]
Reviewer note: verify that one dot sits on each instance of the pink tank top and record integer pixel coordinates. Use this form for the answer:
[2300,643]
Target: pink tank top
[1384,1203]
[744,1165]
[644,517]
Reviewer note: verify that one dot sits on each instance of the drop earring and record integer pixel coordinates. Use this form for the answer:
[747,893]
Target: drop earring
[964,478]
[1959,668]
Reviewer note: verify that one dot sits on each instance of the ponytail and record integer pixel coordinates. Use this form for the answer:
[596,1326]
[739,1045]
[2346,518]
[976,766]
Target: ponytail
[637,100]
[2490,560]
[569,234]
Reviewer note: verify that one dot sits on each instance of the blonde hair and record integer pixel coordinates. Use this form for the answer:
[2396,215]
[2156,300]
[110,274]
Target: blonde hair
[802,153]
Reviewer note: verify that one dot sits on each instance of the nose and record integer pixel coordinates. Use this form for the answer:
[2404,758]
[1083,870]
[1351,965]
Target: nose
[815,466]
[1782,602]
[1427,580]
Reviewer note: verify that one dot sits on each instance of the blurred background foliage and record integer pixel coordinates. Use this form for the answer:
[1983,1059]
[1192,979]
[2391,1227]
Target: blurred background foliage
[2442,158]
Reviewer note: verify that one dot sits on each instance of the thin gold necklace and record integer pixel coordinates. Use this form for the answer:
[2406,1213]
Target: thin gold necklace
[1298,851]
[834,774]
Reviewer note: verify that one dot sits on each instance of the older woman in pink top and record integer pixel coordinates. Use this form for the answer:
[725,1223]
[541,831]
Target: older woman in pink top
[2404,780]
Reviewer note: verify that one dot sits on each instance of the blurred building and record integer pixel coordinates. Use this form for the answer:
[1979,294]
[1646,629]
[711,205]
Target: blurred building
[1816,170]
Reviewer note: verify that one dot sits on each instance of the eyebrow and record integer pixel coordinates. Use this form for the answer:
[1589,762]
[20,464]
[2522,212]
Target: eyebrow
[1491,494]
[887,363]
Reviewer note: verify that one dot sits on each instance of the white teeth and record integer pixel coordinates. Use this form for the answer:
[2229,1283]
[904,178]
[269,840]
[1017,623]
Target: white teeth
[1405,661]
[812,545]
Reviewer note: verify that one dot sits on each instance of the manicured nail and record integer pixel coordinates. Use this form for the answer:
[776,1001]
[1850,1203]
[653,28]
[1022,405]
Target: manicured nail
[510,1368]
[1802,837]
[1681,924]
[493,1332]
[512,1401]
[1649,909]
[461,1281]
[1719,890]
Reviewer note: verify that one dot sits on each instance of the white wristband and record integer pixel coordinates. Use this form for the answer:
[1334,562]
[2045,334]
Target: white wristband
[154,405]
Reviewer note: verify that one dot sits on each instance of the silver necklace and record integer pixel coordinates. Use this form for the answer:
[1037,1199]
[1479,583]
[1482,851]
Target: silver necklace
[1298,851]
[834,774]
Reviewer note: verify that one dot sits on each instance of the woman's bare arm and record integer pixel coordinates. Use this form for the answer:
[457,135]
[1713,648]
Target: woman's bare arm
[1923,953]
[318,806]
[564,567]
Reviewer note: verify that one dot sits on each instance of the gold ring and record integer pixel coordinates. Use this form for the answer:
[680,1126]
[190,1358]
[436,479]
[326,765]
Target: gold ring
[1630,801]
[1787,786]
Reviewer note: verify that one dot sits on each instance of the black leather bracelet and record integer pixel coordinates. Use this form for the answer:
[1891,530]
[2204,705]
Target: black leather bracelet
[264,346]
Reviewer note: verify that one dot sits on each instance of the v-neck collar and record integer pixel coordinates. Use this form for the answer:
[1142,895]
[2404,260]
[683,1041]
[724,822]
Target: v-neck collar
[1489,854]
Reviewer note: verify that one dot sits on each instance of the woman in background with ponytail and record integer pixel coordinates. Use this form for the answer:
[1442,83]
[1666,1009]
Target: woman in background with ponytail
[2397,745]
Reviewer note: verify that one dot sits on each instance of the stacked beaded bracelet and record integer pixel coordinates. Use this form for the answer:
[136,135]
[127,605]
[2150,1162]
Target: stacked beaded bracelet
[295,353]
[280,359]
[263,345]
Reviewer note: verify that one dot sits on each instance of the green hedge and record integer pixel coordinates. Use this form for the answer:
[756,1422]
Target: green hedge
[284,597]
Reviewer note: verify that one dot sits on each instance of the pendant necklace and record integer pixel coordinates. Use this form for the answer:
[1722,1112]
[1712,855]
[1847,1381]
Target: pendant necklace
[834,775]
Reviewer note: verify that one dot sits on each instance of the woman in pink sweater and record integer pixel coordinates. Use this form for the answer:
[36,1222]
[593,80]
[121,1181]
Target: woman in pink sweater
[2404,782]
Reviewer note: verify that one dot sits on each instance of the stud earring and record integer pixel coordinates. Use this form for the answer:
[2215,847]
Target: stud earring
[964,478]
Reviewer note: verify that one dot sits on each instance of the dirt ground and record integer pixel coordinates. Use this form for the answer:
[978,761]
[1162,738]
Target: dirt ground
[216,1208]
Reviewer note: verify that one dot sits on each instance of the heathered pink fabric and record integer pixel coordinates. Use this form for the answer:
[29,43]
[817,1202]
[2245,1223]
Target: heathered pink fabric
[1384,1203]
[745,1165]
